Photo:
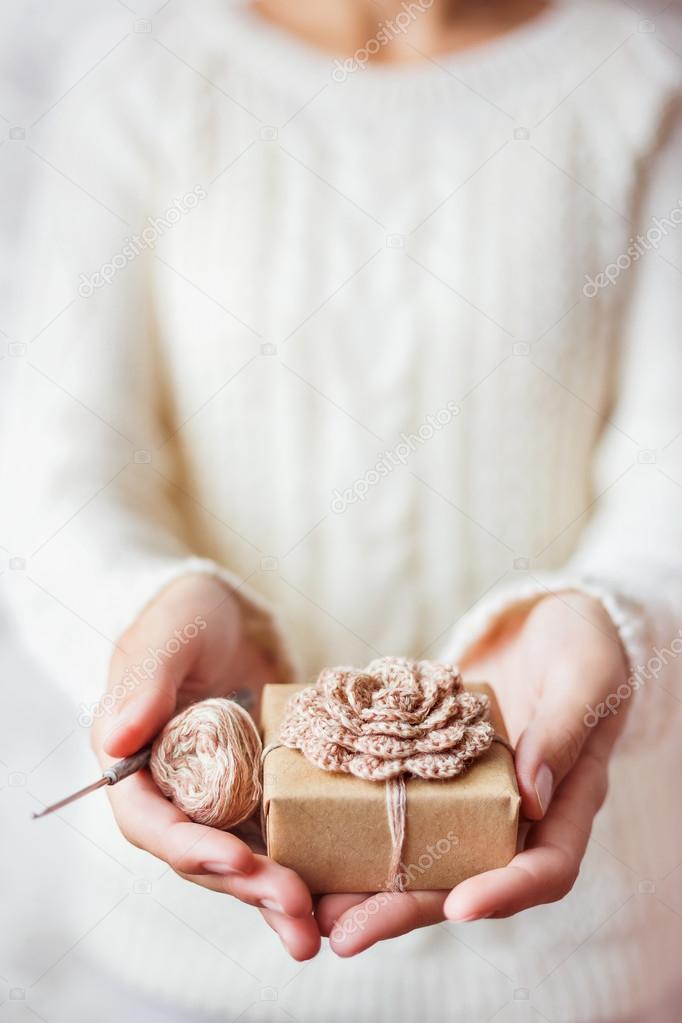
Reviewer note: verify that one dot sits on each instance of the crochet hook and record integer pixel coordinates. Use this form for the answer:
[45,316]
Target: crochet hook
[113,774]
[124,768]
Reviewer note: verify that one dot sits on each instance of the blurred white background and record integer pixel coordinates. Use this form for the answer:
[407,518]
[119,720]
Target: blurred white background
[37,868]
[51,895]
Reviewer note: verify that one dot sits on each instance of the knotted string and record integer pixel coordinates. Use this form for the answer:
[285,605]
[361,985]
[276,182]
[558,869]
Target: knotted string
[396,809]
[397,719]
[396,812]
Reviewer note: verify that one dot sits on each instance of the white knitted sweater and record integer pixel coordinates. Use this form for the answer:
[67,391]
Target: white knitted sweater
[365,368]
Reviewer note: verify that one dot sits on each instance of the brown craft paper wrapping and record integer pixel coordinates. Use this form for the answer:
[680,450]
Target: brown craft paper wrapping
[332,829]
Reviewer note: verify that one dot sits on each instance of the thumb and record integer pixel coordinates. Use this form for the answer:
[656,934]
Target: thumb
[141,696]
[546,751]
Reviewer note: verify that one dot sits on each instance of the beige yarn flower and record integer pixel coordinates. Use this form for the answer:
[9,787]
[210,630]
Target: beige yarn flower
[397,717]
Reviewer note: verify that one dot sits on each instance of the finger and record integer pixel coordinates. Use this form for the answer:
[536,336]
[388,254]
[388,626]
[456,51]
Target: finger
[547,869]
[552,743]
[330,907]
[147,703]
[268,886]
[145,674]
[155,824]
[301,938]
[140,721]
[580,671]
[151,822]
[384,915]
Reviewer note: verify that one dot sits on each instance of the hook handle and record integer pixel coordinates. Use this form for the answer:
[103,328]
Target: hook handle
[123,768]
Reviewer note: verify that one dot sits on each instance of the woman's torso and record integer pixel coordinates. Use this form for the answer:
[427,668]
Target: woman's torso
[384,253]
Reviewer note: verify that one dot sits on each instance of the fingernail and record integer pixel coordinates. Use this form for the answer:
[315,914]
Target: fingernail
[544,785]
[274,906]
[214,867]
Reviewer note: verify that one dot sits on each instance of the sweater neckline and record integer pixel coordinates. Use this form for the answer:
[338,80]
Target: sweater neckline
[516,57]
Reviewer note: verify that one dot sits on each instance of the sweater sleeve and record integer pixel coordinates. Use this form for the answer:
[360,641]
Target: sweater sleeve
[91,525]
[630,553]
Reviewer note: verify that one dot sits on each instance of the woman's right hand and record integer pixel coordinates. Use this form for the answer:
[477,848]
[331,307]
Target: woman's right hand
[193,663]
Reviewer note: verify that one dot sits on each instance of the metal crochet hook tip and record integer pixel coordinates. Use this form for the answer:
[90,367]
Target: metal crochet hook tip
[72,798]
[123,768]
[113,774]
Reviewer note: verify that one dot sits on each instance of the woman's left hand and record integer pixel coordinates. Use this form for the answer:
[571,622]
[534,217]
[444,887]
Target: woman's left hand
[548,667]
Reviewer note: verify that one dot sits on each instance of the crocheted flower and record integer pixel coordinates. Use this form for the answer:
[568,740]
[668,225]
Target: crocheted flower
[396,717]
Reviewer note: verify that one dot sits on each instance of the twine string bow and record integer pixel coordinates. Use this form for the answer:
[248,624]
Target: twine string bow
[394,720]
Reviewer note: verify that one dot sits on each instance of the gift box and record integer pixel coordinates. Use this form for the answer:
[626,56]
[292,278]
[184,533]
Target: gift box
[334,831]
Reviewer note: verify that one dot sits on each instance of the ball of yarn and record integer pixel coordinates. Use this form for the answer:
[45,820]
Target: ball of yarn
[207,761]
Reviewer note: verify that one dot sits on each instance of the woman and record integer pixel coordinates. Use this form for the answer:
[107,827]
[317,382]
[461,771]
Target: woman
[358,336]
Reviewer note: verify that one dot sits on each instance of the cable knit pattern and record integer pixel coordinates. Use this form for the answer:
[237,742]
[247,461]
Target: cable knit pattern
[361,381]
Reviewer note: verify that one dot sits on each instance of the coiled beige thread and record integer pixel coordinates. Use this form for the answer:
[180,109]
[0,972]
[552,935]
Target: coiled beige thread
[207,761]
